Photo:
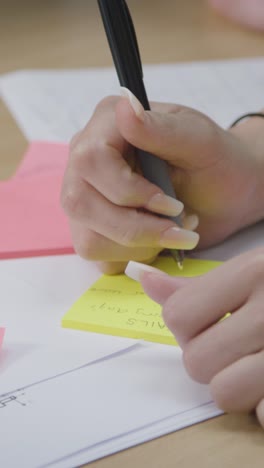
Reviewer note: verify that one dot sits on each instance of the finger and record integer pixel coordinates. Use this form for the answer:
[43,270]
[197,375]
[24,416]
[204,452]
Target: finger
[93,246]
[260,412]
[193,309]
[224,343]
[106,170]
[126,226]
[240,387]
[113,268]
[159,287]
[190,222]
[176,136]
[102,125]
[97,155]
[156,283]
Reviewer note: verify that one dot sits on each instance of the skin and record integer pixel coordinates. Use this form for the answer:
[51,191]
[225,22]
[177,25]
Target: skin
[106,200]
[218,175]
[227,355]
[249,13]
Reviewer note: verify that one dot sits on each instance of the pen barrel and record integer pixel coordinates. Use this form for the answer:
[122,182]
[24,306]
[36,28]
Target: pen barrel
[156,170]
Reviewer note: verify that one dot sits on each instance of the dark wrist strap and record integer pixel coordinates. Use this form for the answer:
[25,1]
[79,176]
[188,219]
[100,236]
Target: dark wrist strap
[245,116]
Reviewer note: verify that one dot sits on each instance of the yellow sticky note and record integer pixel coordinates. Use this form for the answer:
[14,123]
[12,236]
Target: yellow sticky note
[117,305]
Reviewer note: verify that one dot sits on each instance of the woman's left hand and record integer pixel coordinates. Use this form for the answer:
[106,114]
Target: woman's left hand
[229,354]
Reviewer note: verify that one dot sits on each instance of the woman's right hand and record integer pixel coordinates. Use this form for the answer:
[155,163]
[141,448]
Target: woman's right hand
[113,209]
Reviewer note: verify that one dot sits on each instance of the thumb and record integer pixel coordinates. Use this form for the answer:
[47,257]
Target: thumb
[174,133]
[157,285]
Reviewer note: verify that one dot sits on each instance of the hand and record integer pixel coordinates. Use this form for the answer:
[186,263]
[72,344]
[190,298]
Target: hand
[250,13]
[215,175]
[229,354]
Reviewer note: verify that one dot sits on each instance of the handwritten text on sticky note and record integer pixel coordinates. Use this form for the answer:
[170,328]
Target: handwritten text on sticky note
[117,305]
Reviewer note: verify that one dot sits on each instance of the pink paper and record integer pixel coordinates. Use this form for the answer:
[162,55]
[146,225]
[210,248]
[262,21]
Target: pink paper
[42,158]
[32,220]
[2,332]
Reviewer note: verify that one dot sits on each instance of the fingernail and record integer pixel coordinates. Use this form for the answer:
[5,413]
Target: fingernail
[191,222]
[163,204]
[177,238]
[134,270]
[134,102]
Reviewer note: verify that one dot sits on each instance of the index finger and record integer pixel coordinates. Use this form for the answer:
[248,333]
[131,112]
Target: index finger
[98,157]
[101,126]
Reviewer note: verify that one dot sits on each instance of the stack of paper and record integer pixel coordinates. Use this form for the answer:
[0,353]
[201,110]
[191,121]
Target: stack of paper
[68,397]
[59,380]
[33,222]
[51,105]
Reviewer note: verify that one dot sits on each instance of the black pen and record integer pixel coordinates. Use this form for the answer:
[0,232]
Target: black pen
[123,44]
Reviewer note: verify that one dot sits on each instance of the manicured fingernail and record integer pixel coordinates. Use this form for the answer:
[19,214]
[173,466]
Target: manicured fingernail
[134,270]
[177,238]
[163,204]
[191,222]
[134,102]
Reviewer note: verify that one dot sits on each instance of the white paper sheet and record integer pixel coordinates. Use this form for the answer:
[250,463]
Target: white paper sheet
[35,293]
[139,436]
[43,299]
[148,383]
[54,104]
[141,374]
[97,404]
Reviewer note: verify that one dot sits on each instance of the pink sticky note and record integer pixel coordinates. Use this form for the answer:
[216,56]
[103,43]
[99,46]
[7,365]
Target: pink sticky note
[32,220]
[42,158]
[2,332]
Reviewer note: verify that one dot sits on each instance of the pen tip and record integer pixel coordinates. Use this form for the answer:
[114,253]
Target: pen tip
[178,257]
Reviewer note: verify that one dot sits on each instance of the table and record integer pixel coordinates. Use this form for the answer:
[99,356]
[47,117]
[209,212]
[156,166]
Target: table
[63,34]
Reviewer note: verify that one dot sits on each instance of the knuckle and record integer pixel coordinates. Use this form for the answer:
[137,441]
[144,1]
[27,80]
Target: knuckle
[79,140]
[131,234]
[82,156]
[83,150]
[194,364]
[74,140]
[78,148]
[71,199]
[107,102]
[86,158]
[133,194]
[87,162]
[129,237]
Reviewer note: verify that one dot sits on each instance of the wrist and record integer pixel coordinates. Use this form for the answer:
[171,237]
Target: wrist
[250,133]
